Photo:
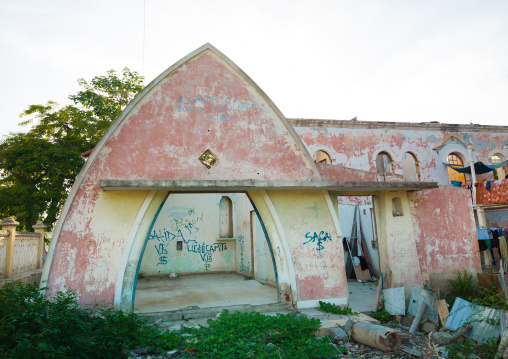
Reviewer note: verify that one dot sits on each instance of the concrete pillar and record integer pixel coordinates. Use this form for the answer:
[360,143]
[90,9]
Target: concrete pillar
[39,228]
[480,213]
[9,224]
[473,173]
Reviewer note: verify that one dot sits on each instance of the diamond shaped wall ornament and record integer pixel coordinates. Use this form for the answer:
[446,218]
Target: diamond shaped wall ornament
[208,159]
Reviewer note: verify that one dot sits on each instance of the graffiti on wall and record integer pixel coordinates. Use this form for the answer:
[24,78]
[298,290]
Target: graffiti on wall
[215,108]
[183,228]
[244,264]
[318,240]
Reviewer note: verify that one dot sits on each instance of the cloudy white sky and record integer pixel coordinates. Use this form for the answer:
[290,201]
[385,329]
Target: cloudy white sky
[397,60]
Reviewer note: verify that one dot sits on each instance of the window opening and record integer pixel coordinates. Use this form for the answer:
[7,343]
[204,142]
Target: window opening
[456,178]
[397,207]
[225,218]
[497,158]
[384,163]
[322,157]
[410,167]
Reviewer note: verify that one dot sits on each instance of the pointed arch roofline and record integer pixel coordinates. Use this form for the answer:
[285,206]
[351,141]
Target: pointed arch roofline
[137,99]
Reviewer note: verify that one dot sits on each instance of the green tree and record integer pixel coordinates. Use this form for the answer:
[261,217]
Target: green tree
[38,168]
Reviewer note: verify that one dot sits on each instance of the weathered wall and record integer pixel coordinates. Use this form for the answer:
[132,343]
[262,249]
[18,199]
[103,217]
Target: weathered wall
[203,102]
[445,233]
[397,243]
[355,144]
[315,245]
[193,220]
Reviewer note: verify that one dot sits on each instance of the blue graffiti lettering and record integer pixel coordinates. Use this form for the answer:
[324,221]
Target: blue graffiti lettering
[318,239]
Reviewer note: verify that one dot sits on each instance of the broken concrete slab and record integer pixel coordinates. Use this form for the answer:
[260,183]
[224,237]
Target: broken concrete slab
[418,296]
[394,301]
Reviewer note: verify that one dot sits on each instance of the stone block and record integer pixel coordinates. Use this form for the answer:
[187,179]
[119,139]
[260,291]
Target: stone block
[339,334]
[429,327]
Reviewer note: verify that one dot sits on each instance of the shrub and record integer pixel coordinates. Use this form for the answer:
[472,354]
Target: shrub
[32,326]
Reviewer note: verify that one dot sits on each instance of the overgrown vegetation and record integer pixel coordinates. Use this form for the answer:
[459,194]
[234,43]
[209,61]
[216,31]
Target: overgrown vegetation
[31,326]
[382,315]
[39,166]
[465,349]
[465,286]
[253,335]
[335,309]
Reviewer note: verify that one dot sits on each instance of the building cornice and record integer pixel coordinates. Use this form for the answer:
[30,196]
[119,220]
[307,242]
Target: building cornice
[422,126]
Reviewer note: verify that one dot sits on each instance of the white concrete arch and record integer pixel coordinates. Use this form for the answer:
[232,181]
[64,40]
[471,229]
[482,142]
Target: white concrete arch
[459,150]
[378,150]
[411,150]
[501,151]
[314,148]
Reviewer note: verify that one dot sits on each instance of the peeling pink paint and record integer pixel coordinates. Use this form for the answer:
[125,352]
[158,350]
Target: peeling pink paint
[445,232]
[157,140]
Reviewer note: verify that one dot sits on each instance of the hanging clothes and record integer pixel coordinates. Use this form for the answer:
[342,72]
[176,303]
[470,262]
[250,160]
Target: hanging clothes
[488,185]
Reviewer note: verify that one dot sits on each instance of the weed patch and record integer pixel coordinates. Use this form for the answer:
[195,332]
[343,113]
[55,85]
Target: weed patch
[382,315]
[335,309]
[464,350]
[253,335]
[464,286]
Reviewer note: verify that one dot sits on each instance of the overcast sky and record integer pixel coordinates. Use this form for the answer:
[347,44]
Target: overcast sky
[413,61]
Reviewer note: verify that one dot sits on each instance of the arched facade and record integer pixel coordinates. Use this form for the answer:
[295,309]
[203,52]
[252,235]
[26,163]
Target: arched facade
[100,238]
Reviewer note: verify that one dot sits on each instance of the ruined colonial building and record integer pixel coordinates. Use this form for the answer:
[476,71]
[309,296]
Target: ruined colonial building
[202,173]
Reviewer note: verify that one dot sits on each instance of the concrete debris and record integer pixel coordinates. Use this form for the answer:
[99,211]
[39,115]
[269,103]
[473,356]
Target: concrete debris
[339,334]
[419,296]
[413,352]
[428,327]
[394,301]
[443,338]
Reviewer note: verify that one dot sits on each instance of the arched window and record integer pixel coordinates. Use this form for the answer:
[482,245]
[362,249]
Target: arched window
[410,167]
[322,157]
[384,163]
[225,218]
[497,159]
[455,160]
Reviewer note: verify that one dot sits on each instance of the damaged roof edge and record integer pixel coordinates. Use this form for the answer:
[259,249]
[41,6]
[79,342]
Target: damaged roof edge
[246,185]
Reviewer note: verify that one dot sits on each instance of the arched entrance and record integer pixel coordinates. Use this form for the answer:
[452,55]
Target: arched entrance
[239,142]
[189,260]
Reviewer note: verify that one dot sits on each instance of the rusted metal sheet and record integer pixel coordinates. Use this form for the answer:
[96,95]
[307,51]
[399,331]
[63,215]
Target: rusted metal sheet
[486,322]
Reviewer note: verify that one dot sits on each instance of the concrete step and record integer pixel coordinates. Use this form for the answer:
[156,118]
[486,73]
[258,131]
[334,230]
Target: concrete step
[198,313]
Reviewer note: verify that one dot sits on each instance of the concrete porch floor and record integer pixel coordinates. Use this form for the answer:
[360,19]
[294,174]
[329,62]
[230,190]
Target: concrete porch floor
[200,291]
[160,294]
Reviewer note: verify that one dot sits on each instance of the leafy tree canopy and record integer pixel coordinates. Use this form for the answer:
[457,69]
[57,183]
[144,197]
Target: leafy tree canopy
[38,168]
